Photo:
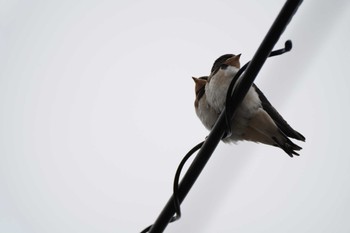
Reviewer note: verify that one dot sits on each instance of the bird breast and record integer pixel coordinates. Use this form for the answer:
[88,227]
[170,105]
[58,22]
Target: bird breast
[216,89]
[206,114]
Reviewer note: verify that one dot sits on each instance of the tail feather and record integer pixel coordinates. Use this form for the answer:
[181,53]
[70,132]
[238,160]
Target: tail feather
[287,145]
[277,118]
[270,133]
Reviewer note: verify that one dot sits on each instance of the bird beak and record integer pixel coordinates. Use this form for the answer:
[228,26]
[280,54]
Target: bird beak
[234,61]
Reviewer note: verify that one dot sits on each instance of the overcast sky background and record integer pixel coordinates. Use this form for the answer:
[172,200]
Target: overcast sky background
[96,102]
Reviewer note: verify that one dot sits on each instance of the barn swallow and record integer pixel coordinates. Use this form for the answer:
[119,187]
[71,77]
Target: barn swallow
[254,120]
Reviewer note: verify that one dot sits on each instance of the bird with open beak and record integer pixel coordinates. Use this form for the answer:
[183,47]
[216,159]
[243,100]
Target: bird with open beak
[255,118]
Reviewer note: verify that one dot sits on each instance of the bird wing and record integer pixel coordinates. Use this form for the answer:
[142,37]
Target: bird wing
[277,118]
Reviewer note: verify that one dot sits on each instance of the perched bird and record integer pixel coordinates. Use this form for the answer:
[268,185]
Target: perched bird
[254,120]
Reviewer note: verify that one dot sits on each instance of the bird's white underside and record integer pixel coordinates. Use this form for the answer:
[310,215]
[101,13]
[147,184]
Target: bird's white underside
[214,100]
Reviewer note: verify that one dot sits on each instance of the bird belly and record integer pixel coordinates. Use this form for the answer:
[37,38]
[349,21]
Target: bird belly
[244,113]
[206,114]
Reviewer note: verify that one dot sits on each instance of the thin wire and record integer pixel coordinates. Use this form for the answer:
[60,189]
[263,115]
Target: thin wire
[177,215]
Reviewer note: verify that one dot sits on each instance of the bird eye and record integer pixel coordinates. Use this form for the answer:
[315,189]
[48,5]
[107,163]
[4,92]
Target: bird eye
[223,66]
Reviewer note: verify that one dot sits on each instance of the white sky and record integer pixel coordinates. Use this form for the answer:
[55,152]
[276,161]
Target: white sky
[96,102]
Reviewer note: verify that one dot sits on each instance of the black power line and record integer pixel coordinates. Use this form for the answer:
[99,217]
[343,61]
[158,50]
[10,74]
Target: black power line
[219,129]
